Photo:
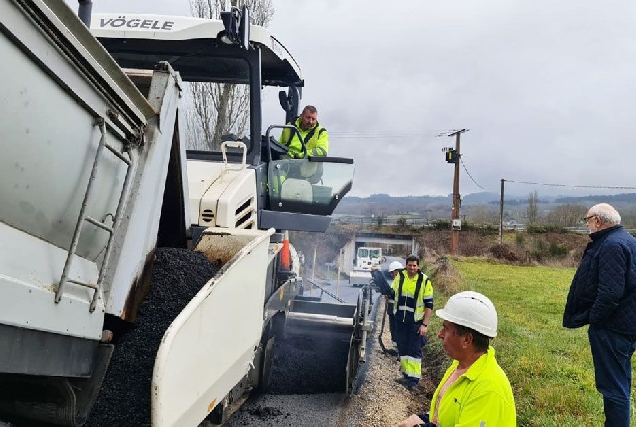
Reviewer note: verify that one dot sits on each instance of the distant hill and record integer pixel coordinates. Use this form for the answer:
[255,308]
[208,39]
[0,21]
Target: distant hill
[385,198]
[383,204]
[484,197]
[624,198]
[439,206]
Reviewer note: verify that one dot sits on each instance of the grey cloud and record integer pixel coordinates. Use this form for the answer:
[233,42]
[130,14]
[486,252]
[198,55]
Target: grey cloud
[545,87]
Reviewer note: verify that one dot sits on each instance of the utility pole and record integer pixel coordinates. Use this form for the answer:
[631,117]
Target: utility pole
[339,268]
[313,264]
[501,206]
[455,223]
[313,271]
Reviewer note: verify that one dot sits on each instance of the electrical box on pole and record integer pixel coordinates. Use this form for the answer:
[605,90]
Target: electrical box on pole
[451,156]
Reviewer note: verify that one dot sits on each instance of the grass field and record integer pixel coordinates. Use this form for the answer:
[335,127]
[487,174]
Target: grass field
[549,367]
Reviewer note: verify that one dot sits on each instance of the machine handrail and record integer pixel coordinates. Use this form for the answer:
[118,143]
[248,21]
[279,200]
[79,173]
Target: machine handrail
[326,291]
[234,144]
[293,128]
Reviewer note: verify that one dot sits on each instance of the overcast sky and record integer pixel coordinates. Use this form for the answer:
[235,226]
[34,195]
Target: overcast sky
[547,89]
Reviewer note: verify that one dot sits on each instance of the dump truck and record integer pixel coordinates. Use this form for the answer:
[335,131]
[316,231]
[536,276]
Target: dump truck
[98,188]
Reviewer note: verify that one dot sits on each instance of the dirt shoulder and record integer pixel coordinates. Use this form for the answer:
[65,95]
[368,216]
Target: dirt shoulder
[381,401]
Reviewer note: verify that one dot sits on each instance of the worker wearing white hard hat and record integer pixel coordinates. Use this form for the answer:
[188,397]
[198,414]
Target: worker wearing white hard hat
[394,268]
[474,391]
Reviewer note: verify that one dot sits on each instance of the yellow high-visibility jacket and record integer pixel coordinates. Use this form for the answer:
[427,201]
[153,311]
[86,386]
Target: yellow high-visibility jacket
[482,396]
[316,140]
[405,307]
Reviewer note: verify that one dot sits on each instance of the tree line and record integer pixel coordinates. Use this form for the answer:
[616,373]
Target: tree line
[218,109]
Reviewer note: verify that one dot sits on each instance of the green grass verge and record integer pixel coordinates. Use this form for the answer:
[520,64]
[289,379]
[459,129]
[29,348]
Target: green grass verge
[550,367]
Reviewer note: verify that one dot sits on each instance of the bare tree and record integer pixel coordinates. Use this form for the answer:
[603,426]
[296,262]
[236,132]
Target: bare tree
[532,212]
[221,108]
[261,11]
[482,215]
[568,215]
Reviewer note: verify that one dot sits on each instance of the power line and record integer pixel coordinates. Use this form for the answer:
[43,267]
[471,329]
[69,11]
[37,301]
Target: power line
[387,134]
[410,132]
[369,135]
[604,187]
[469,175]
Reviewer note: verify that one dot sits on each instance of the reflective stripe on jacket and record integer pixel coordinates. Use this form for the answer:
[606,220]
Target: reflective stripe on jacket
[406,309]
[316,140]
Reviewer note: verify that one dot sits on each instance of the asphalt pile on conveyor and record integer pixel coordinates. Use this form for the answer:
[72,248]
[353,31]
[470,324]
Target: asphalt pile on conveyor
[308,365]
[124,400]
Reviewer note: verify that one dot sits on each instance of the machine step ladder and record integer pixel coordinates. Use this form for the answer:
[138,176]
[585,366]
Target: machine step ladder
[83,216]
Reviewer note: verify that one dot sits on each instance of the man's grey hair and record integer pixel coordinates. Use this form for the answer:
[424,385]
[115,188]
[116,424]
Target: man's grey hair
[311,109]
[606,213]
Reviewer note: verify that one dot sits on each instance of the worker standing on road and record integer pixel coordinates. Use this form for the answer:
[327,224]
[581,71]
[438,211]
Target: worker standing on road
[378,278]
[394,269]
[315,137]
[412,309]
[474,391]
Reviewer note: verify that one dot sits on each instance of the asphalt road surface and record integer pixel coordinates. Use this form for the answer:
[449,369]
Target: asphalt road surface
[319,409]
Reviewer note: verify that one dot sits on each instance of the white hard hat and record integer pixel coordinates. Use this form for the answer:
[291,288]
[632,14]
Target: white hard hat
[472,310]
[395,265]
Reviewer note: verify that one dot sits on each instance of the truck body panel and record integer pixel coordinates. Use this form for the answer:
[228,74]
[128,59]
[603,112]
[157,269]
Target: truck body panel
[30,267]
[51,97]
[63,96]
[137,236]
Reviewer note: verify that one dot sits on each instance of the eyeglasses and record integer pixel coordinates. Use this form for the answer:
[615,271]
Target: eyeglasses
[587,218]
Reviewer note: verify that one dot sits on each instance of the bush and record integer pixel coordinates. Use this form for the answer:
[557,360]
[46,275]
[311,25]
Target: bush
[445,277]
[557,251]
[472,243]
[503,252]
[488,229]
[545,229]
[540,245]
[440,224]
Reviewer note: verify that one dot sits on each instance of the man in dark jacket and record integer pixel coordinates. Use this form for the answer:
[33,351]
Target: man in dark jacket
[603,295]
[379,279]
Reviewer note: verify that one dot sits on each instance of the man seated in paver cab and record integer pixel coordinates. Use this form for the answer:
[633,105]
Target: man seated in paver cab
[314,136]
